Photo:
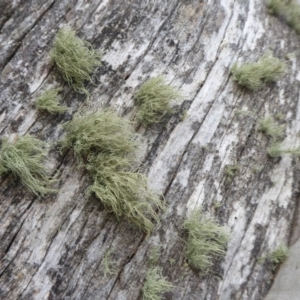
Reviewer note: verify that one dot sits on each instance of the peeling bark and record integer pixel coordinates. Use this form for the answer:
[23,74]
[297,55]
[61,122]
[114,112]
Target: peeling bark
[53,247]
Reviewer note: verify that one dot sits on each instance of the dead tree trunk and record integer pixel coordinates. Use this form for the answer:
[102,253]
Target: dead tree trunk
[54,247]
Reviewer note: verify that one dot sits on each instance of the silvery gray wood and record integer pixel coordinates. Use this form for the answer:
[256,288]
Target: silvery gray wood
[53,247]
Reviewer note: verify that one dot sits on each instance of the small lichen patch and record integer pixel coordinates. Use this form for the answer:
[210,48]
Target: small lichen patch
[230,171]
[271,128]
[154,255]
[153,100]
[278,256]
[24,158]
[155,285]
[277,150]
[101,132]
[49,101]
[255,75]
[124,192]
[288,10]
[206,240]
[108,265]
[75,59]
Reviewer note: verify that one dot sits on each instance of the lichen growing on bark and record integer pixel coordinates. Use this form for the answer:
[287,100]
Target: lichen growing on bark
[24,158]
[288,10]
[49,101]
[75,59]
[155,285]
[153,100]
[255,75]
[106,146]
[206,240]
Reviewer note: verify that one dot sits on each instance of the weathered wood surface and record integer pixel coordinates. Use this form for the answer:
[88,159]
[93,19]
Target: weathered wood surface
[53,247]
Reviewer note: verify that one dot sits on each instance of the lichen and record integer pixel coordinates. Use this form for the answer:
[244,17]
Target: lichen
[206,240]
[123,192]
[230,171]
[255,75]
[271,128]
[49,101]
[101,132]
[153,100]
[74,58]
[277,150]
[24,158]
[155,285]
[279,255]
[288,10]
[106,146]
[108,264]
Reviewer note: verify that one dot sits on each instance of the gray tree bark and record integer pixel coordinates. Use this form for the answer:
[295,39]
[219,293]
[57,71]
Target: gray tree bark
[53,247]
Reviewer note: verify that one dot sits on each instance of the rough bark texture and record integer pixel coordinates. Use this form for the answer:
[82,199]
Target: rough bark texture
[53,247]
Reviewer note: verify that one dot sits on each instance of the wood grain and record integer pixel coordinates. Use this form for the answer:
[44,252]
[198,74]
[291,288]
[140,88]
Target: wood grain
[53,247]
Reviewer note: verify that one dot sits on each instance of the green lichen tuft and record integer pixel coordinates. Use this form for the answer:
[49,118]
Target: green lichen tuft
[255,75]
[230,171]
[276,132]
[271,128]
[101,132]
[124,192]
[153,100]
[288,10]
[278,256]
[276,150]
[106,146]
[49,102]
[155,285]
[75,59]
[206,240]
[154,255]
[108,265]
[24,158]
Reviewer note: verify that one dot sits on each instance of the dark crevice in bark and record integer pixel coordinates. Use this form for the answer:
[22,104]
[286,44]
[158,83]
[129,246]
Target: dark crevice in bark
[15,235]
[126,263]
[6,18]
[48,249]
[90,242]
[19,42]
[17,252]
[294,232]
[202,24]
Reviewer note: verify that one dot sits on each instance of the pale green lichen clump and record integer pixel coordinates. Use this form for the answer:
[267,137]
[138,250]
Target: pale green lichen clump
[101,132]
[124,192]
[105,145]
[255,75]
[206,240]
[108,265]
[277,150]
[49,102]
[278,256]
[288,10]
[230,171]
[155,285]
[153,100]
[271,128]
[276,132]
[24,158]
[75,59]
